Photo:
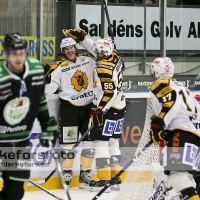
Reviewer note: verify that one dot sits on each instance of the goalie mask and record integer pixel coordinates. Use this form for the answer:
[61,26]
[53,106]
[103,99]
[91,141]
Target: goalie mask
[67,42]
[103,46]
[162,67]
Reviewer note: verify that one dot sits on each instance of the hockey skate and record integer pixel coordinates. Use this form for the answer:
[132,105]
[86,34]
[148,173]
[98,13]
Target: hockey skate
[115,185]
[67,175]
[85,177]
[95,185]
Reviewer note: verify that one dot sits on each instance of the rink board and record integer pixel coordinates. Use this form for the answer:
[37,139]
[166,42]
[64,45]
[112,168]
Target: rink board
[132,131]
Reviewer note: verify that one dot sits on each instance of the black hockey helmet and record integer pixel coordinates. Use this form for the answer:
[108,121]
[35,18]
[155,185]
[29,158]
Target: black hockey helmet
[14,41]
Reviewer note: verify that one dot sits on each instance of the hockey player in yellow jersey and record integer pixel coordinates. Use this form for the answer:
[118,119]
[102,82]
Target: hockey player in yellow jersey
[177,121]
[108,106]
[73,78]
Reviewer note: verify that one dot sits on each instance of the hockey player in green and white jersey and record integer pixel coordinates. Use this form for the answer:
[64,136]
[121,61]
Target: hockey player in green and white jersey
[22,100]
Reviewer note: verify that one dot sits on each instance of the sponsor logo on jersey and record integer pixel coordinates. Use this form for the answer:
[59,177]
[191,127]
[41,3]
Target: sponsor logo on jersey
[3,129]
[118,66]
[5,96]
[192,117]
[85,63]
[37,77]
[79,80]
[5,85]
[16,110]
[65,70]
[196,125]
[6,129]
[122,97]
[5,91]
[84,95]
[64,64]
[70,133]
[75,66]
[38,83]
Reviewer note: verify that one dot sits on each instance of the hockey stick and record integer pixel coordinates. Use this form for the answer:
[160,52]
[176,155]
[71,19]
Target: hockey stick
[60,171]
[109,24]
[159,191]
[70,155]
[113,180]
[45,190]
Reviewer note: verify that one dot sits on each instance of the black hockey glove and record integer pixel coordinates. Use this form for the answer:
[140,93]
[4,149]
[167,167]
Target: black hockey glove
[97,117]
[77,34]
[157,131]
[49,132]
[47,73]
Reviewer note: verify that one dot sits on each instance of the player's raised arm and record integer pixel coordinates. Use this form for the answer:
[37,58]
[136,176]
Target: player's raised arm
[80,37]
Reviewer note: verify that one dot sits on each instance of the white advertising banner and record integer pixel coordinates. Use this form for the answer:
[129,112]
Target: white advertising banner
[183,26]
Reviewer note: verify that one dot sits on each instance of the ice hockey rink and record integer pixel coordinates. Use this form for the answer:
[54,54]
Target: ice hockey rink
[75,194]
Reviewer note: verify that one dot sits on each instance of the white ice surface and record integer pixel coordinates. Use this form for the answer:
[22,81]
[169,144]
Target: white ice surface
[75,193]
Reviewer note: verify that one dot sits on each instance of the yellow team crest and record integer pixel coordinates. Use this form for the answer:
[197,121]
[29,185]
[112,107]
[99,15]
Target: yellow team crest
[79,80]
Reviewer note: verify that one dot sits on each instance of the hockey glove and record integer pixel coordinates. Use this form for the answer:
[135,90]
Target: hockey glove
[49,132]
[157,131]
[97,117]
[47,73]
[75,33]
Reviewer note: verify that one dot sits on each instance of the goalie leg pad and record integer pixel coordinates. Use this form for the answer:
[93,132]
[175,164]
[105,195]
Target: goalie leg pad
[174,180]
[189,194]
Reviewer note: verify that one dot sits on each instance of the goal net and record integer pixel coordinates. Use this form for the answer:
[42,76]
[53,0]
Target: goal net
[145,173]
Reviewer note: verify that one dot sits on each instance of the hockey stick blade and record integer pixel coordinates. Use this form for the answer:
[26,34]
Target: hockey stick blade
[70,153]
[159,191]
[60,171]
[45,190]
[112,181]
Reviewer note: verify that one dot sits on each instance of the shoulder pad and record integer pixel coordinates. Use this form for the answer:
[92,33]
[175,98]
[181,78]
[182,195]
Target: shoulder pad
[55,64]
[161,87]
[160,83]
[64,64]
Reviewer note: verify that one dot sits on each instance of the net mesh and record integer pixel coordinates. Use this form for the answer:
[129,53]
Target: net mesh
[140,180]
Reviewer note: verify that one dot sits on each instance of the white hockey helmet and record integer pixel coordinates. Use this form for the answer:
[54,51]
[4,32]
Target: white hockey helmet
[110,40]
[67,42]
[103,46]
[162,67]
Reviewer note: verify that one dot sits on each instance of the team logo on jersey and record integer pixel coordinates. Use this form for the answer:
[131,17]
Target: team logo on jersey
[79,80]
[16,110]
